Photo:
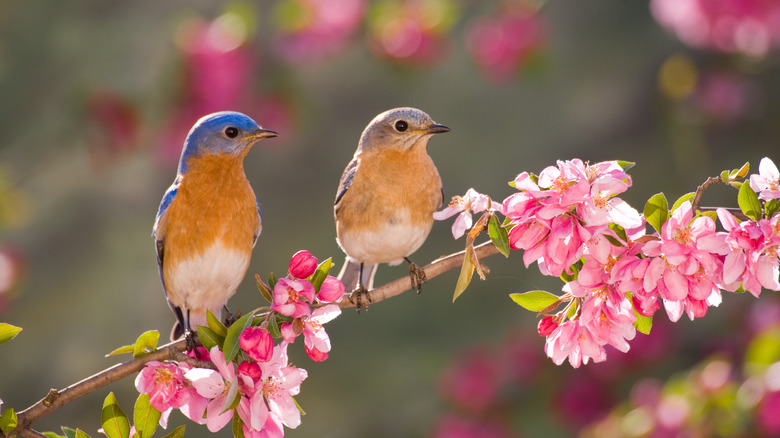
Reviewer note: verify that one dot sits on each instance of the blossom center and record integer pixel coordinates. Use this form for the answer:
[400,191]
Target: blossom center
[684,235]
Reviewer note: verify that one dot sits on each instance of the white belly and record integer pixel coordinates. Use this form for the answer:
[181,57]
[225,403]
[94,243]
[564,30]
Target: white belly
[207,281]
[390,244]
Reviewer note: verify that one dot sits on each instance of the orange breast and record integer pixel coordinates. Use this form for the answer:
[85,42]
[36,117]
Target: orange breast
[214,203]
[389,180]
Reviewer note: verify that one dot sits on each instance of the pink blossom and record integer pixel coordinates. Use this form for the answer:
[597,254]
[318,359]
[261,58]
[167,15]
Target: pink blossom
[573,341]
[315,339]
[280,382]
[220,386]
[250,369]
[292,297]
[257,343]
[471,202]
[331,290]
[302,265]
[165,384]
[767,182]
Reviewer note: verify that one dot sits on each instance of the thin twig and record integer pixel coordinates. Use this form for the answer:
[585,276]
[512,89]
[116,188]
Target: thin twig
[701,189]
[433,269]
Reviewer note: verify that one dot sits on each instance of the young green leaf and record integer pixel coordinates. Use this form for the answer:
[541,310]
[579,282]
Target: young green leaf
[8,422]
[230,347]
[749,203]
[126,349]
[498,235]
[69,433]
[682,199]
[263,288]
[238,427]
[657,211]
[771,207]
[466,272]
[176,433]
[626,165]
[535,301]
[52,435]
[321,273]
[146,343]
[115,422]
[145,417]
[209,338]
[643,323]
[81,434]
[743,171]
[273,326]
[272,279]
[8,332]
[215,324]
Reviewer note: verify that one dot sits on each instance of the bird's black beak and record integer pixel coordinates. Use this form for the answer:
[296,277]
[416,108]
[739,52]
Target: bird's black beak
[437,129]
[262,133]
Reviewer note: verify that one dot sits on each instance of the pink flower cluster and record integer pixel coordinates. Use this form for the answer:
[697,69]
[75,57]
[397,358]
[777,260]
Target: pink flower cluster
[570,221]
[294,296]
[751,27]
[464,206]
[260,386]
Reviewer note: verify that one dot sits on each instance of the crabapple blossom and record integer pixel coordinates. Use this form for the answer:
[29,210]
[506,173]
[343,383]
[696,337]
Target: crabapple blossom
[471,202]
[292,297]
[165,384]
[302,265]
[220,386]
[767,182]
[257,343]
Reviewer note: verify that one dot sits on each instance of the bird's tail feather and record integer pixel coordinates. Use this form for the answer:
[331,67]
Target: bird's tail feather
[350,271]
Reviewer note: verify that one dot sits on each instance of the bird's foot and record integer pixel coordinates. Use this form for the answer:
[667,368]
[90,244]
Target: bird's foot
[190,343]
[357,295]
[417,275]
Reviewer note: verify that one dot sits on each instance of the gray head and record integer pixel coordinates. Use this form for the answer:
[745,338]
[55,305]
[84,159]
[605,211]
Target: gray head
[399,127]
[223,132]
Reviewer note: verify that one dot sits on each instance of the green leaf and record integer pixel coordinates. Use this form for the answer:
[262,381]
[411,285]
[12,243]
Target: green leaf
[620,231]
[466,272]
[498,235]
[263,288]
[176,433]
[209,338]
[215,324]
[125,349]
[725,176]
[682,199]
[749,203]
[230,347]
[710,214]
[69,433]
[743,171]
[273,326]
[52,435]
[8,332]
[626,164]
[145,417]
[272,279]
[321,273]
[115,422]
[146,343]
[771,207]
[643,323]
[657,211]
[81,434]
[8,421]
[535,301]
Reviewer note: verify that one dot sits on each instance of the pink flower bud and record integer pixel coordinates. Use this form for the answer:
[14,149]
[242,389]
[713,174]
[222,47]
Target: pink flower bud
[302,264]
[316,355]
[332,290]
[251,370]
[546,326]
[257,342]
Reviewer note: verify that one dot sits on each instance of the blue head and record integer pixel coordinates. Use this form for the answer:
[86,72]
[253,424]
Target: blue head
[222,132]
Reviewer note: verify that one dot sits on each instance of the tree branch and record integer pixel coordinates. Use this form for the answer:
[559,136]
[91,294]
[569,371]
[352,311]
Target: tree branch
[174,350]
[58,398]
[433,269]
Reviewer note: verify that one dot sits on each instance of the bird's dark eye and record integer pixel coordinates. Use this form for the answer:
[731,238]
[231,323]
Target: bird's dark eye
[231,132]
[401,126]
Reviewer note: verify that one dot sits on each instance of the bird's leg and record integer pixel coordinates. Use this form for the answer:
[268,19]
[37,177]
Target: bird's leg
[357,295]
[189,337]
[230,318]
[417,275]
